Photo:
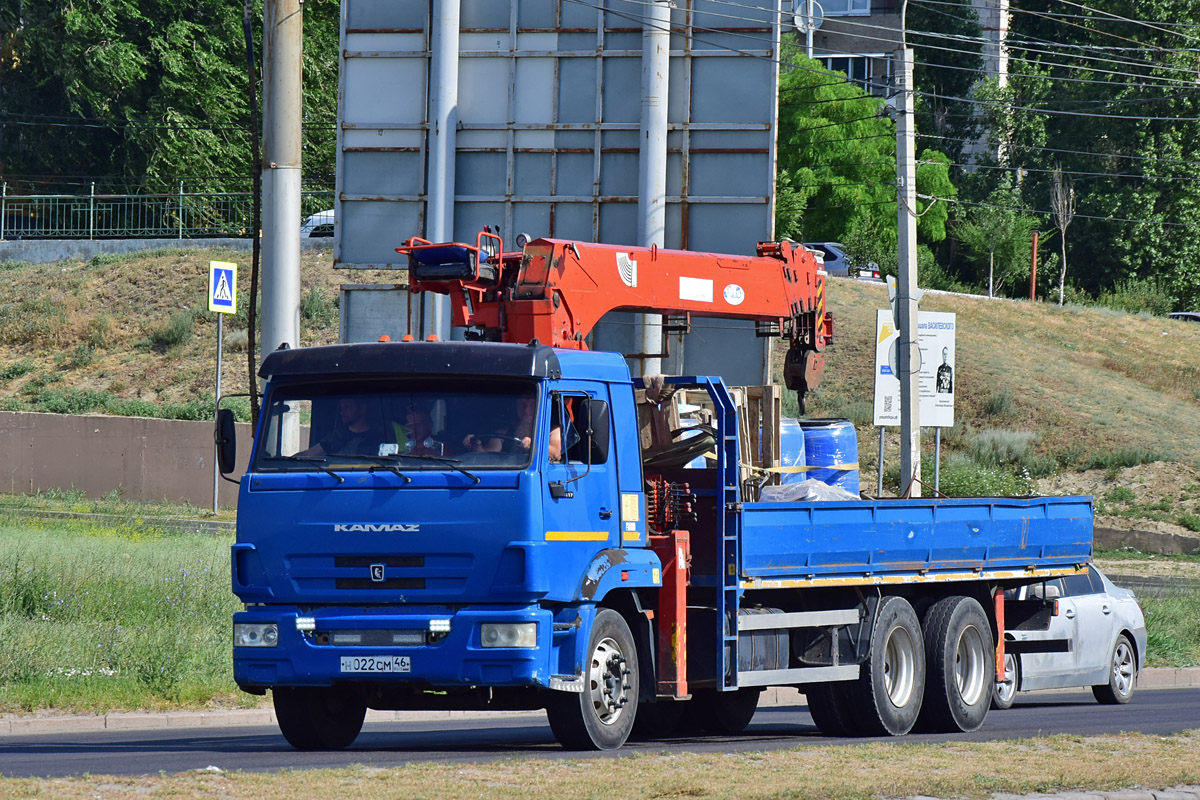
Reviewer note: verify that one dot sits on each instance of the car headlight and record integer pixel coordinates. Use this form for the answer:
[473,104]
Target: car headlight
[255,634]
[518,634]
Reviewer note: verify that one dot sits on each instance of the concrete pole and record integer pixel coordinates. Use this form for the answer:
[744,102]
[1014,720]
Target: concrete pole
[283,30]
[652,156]
[443,124]
[909,353]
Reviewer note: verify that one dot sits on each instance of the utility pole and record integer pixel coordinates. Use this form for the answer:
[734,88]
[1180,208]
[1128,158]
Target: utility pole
[283,35]
[443,126]
[908,349]
[652,161]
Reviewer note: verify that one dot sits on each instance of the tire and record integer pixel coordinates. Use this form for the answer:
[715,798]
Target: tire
[887,697]
[659,720]
[724,712]
[828,707]
[961,666]
[1122,674]
[318,718]
[1004,692]
[602,715]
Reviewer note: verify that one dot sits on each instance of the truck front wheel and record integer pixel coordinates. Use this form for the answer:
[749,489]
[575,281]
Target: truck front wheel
[319,718]
[601,716]
[961,660]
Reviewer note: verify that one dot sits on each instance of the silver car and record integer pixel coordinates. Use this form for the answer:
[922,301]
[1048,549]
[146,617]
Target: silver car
[1079,630]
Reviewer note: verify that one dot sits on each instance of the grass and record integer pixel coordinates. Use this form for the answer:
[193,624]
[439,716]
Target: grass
[1172,630]
[1058,763]
[96,618]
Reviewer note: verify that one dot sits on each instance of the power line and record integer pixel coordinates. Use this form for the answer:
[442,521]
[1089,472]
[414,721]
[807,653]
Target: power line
[1074,152]
[956,201]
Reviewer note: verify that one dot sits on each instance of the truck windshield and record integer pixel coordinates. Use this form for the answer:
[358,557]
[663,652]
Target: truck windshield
[398,425]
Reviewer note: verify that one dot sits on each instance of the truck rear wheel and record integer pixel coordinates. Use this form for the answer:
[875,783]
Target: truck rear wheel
[601,716]
[961,661]
[724,712]
[828,707]
[318,718]
[887,696]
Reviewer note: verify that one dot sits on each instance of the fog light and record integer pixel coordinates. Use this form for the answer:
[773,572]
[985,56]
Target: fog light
[306,623]
[439,625]
[521,634]
[255,635]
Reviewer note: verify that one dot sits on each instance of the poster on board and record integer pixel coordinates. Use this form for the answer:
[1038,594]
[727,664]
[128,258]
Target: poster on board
[935,338]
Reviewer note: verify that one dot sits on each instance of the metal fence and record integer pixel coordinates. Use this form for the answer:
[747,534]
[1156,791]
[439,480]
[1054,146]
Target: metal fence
[180,214]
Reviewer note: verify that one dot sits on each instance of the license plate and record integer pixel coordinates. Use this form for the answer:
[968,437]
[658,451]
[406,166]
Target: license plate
[376,664]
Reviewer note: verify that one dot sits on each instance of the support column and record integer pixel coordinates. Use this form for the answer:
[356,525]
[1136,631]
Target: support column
[652,157]
[443,124]
[283,33]
[909,353]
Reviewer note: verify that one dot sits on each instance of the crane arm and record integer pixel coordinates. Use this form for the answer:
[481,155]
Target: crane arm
[557,290]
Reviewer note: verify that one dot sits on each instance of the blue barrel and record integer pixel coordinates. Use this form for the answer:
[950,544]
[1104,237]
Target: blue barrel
[791,450]
[831,443]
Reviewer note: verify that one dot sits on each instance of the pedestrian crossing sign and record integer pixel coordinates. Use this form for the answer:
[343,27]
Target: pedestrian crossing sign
[222,287]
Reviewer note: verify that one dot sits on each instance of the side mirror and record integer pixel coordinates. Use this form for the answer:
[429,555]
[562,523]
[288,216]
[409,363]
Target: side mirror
[225,437]
[1052,593]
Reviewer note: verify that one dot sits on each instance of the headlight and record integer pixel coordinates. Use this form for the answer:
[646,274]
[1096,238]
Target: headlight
[521,634]
[255,635]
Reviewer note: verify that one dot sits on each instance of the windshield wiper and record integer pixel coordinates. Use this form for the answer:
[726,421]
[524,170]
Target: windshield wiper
[318,462]
[384,462]
[453,463]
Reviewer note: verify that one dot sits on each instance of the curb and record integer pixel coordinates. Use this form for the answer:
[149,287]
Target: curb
[14,725]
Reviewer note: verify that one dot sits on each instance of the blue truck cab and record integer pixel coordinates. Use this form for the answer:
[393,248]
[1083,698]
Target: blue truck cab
[476,525]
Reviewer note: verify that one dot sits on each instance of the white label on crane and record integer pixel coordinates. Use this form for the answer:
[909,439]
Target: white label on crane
[698,290]
[734,294]
[627,268]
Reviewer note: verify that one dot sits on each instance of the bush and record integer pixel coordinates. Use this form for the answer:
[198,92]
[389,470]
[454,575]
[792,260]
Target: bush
[177,330]
[1122,459]
[82,355]
[17,369]
[1136,295]
[961,476]
[318,310]
[994,448]
[1190,521]
[1000,404]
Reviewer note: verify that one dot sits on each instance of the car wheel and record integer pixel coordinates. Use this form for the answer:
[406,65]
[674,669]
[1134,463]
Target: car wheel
[1122,674]
[1005,691]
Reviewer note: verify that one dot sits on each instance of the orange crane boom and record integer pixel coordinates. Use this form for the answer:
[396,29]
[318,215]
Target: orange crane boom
[556,290]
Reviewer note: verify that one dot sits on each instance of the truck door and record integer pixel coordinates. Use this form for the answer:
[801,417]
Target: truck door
[580,498]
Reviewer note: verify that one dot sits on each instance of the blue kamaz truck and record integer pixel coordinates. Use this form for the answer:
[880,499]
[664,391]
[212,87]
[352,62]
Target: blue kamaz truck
[419,573]
[485,525]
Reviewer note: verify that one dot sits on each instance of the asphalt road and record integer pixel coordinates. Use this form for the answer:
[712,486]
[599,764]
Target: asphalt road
[1161,711]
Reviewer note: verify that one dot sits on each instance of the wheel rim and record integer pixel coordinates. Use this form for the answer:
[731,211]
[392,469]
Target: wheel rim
[1008,687]
[606,681]
[970,665]
[1122,667]
[899,667]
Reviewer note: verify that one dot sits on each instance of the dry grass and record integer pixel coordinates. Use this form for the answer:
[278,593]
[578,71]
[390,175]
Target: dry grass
[852,772]
[1085,381]
[90,325]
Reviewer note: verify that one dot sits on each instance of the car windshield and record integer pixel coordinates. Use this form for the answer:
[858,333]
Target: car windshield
[399,426]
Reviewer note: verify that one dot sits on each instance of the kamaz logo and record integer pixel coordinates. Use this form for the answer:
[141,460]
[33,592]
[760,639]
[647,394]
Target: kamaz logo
[397,527]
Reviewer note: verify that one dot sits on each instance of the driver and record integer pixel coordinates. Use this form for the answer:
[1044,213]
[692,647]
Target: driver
[516,435]
[354,434]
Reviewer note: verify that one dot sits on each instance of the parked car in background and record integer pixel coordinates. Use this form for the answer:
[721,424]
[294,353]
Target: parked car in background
[840,265]
[317,225]
[1187,316]
[1079,630]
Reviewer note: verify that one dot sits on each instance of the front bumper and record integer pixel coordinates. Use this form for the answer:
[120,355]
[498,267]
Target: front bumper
[456,658]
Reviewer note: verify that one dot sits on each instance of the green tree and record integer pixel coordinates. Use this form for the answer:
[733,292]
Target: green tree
[998,235]
[837,159]
[145,91]
[947,43]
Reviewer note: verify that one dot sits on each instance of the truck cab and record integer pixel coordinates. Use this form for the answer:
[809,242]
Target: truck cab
[432,525]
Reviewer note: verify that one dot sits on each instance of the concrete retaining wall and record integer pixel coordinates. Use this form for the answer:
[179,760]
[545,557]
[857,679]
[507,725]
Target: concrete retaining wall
[148,460]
